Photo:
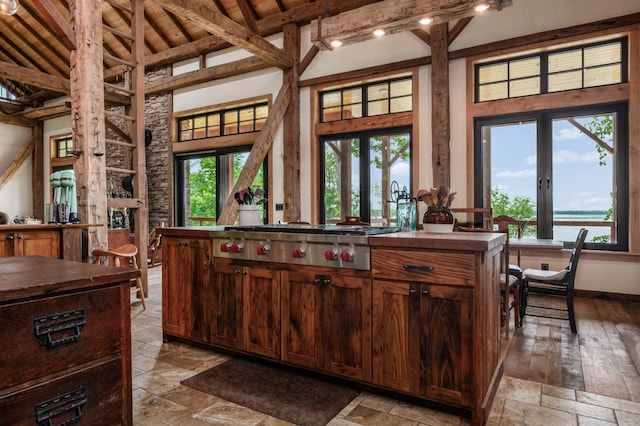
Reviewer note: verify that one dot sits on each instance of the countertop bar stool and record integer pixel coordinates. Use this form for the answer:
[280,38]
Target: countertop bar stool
[555,283]
[128,251]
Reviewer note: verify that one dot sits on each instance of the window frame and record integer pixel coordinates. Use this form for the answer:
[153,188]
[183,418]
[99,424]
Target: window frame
[544,166]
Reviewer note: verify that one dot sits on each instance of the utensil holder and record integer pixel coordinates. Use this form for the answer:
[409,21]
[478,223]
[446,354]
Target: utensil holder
[249,215]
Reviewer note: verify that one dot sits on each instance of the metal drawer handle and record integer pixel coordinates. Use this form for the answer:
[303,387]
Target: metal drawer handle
[45,327]
[418,268]
[47,410]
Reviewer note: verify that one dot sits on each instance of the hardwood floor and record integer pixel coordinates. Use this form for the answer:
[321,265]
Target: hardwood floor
[603,358]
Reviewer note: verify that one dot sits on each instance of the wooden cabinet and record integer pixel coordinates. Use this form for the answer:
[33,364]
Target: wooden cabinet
[428,340]
[224,304]
[261,304]
[30,243]
[186,272]
[71,321]
[326,322]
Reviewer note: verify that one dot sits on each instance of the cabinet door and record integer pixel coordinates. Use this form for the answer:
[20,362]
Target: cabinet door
[347,326]
[446,357]
[301,319]
[262,311]
[392,347]
[6,244]
[225,306]
[38,243]
[186,276]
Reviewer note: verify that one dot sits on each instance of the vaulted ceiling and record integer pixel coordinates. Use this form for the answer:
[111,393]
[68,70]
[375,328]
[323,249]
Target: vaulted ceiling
[37,41]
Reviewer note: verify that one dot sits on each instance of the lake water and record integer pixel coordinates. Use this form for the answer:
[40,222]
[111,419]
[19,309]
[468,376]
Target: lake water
[569,233]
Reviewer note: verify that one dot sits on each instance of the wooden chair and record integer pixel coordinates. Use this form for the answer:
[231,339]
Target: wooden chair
[555,283]
[482,217]
[153,251]
[510,282]
[113,256]
[352,221]
[507,222]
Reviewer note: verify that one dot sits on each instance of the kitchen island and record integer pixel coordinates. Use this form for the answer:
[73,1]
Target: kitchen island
[422,320]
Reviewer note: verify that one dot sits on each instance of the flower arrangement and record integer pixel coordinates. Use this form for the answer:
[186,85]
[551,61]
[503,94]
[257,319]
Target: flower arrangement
[436,197]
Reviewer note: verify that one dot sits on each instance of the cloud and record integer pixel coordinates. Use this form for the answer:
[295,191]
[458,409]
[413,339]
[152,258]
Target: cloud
[567,134]
[509,174]
[566,156]
[532,160]
[400,169]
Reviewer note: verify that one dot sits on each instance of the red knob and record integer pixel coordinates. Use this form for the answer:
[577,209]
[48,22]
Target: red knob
[331,254]
[297,253]
[346,255]
[236,248]
[224,247]
[262,249]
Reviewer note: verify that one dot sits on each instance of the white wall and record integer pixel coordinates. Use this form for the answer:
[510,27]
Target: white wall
[16,197]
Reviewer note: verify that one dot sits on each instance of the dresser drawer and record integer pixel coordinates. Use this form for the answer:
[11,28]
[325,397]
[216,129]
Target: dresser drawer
[93,395]
[44,336]
[424,266]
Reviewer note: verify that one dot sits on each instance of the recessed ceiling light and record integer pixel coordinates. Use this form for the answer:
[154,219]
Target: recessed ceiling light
[425,21]
[336,43]
[481,7]
[378,33]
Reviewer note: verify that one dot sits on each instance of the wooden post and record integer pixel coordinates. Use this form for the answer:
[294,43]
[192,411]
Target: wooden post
[87,114]
[37,162]
[291,127]
[440,119]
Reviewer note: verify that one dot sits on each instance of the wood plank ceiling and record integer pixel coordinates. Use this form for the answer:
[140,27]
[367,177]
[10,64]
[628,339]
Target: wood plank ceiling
[35,48]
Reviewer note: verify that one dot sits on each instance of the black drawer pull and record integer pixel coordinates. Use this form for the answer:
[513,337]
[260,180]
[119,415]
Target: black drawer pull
[47,410]
[418,268]
[45,327]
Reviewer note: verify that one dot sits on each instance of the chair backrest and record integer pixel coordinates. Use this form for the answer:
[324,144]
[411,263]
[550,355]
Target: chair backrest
[485,219]
[504,220]
[572,267]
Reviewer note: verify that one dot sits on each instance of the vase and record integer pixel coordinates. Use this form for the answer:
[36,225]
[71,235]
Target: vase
[437,219]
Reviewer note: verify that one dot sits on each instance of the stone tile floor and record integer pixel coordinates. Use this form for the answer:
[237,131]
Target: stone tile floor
[159,399]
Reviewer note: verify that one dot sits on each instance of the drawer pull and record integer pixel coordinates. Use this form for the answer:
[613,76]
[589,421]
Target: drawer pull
[47,410]
[418,268]
[45,327]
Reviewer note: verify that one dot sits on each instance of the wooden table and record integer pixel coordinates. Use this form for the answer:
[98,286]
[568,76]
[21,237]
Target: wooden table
[534,244]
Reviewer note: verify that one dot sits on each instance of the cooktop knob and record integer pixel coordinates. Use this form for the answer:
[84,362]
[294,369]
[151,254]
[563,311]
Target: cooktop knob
[331,254]
[263,249]
[237,248]
[346,255]
[225,247]
[298,253]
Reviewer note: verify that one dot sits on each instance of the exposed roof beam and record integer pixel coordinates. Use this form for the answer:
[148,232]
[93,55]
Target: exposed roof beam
[392,16]
[203,75]
[58,23]
[249,14]
[47,112]
[202,15]
[35,78]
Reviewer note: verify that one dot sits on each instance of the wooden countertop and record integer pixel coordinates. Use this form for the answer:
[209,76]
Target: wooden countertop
[467,241]
[46,226]
[33,276]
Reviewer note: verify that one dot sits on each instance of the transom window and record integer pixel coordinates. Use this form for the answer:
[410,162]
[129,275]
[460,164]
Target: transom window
[230,121]
[367,100]
[5,93]
[596,64]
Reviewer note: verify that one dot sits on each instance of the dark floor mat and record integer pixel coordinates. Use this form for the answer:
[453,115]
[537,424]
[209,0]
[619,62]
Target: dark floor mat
[296,398]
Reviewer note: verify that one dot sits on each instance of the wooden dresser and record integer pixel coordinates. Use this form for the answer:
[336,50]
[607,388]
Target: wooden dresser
[66,352]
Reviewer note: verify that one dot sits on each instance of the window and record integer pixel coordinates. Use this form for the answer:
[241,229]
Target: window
[382,97]
[7,94]
[560,169]
[64,147]
[230,121]
[357,171]
[204,180]
[593,65]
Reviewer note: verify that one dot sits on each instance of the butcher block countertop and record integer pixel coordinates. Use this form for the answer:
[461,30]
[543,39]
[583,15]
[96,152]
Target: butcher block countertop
[466,241]
[33,276]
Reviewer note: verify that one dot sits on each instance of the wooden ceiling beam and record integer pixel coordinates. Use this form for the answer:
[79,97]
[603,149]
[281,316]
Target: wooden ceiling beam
[249,14]
[203,75]
[47,112]
[392,16]
[201,14]
[35,78]
[58,23]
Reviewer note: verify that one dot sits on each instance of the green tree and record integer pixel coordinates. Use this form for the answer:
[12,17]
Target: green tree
[202,187]
[521,208]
